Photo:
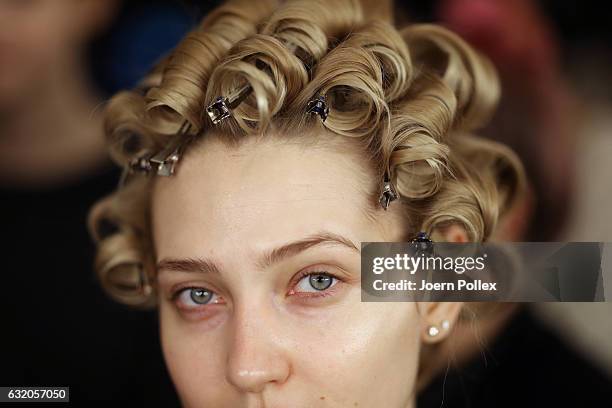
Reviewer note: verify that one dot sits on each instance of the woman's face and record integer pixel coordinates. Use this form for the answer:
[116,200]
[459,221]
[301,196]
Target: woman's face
[259,279]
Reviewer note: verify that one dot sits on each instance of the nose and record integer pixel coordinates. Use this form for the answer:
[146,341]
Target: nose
[255,358]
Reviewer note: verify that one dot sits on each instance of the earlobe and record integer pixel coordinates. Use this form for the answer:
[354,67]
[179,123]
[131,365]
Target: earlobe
[438,320]
[437,332]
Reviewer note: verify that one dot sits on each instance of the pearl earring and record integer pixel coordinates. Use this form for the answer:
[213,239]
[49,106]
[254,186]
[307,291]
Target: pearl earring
[445,324]
[433,331]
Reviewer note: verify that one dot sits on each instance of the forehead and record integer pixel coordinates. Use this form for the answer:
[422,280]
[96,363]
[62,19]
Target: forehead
[260,193]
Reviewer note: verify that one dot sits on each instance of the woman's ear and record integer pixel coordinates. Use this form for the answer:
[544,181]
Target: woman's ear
[438,319]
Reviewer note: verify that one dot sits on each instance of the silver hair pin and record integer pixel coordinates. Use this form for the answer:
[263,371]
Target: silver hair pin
[318,106]
[221,108]
[140,164]
[388,193]
[163,162]
[167,158]
[422,244]
[421,237]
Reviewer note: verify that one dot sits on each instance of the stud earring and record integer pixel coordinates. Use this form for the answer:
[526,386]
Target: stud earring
[433,331]
[445,324]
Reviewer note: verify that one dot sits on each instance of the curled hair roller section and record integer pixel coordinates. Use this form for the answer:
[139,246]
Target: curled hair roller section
[124,275]
[470,75]
[260,96]
[180,95]
[290,45]
[351,81]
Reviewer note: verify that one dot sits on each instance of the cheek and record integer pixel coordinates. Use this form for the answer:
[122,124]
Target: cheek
[371,343]
[194,361]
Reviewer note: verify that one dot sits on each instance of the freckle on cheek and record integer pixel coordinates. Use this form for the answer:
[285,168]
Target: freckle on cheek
[322,398]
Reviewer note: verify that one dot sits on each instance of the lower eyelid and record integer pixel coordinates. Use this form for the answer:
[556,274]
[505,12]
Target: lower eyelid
[199,309]
[317,296]
[201,314]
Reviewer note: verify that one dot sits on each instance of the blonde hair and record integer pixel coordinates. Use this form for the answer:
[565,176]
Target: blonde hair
[409,98]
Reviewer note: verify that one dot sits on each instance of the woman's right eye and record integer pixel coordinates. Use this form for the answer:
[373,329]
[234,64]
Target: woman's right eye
[194,298]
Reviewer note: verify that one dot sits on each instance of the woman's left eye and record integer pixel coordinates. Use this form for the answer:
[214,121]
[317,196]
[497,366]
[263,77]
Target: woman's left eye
[315,282]
[191,298]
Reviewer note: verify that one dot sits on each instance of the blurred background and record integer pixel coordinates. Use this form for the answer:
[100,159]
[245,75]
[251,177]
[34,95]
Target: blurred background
[60,60]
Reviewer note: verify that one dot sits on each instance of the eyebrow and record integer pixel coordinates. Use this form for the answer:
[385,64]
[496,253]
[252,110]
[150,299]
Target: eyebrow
[276,255]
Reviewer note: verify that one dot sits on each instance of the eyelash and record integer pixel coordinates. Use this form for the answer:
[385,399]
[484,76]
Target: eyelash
[329,291]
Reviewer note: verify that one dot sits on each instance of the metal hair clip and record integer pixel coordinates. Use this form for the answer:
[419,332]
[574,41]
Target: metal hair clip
[218,110]
[388,194]
[140,164]
[164,162]
[319,107]
[222,106]
[422,244]
[421,237]
[167,158]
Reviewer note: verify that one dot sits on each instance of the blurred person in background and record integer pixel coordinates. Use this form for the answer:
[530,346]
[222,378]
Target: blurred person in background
[539,118]
[49,133]
[58,327]
[524,47]
[522,42]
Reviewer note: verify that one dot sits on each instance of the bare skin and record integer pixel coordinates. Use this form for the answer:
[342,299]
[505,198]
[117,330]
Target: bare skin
[258,333]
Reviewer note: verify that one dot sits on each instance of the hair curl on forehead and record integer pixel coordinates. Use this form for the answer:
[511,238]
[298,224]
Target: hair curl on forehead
[410,99]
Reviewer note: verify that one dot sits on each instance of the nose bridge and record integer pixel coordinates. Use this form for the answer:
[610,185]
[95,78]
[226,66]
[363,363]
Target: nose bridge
[255,356]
